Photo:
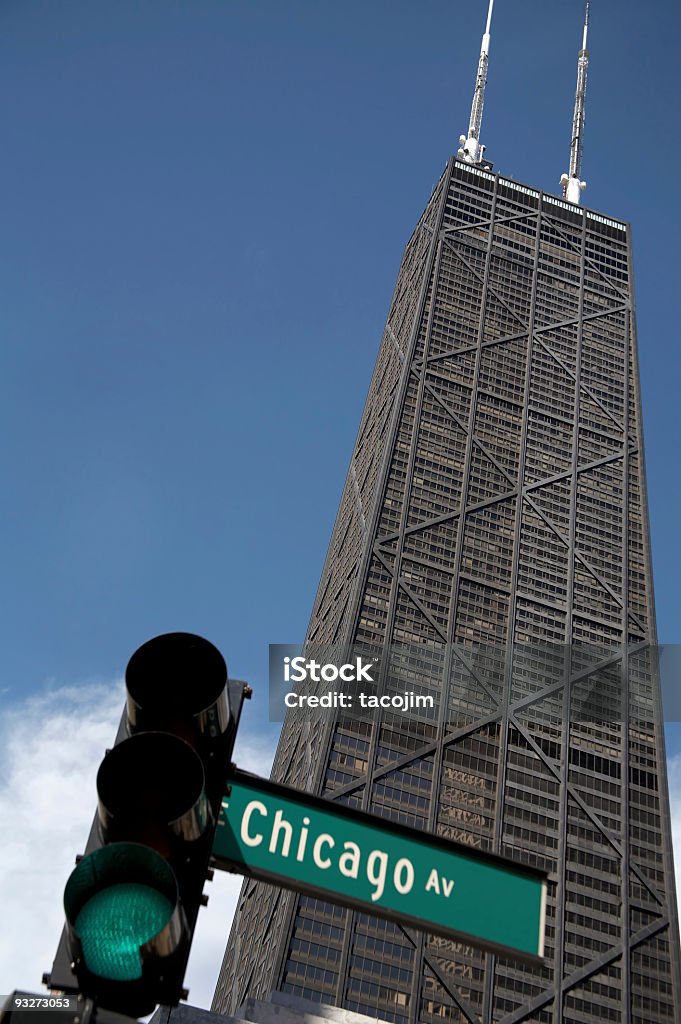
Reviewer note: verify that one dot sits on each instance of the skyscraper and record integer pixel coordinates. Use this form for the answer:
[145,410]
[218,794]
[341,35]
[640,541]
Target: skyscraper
[494,521]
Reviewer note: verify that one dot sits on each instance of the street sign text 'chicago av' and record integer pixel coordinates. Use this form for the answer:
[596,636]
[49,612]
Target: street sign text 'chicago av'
[280,835]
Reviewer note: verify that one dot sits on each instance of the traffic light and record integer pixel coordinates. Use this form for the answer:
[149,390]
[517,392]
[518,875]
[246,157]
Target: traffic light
[132,901]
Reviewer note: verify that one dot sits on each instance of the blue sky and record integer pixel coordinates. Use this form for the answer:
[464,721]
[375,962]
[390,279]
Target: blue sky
[205,205]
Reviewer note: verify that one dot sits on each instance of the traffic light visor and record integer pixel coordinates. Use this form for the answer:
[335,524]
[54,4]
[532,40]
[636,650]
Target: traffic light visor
[149,785]
[178,678]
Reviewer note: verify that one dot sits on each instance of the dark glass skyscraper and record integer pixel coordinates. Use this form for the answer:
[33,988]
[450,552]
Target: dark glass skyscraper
[496,502]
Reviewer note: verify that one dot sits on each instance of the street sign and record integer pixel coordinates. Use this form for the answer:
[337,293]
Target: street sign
[280,835]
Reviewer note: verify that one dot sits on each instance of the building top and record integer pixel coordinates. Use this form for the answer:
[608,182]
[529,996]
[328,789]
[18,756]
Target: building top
[552,200]
[471,151]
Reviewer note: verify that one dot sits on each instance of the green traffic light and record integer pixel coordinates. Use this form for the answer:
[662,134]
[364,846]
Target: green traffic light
[115,923]
[122,910]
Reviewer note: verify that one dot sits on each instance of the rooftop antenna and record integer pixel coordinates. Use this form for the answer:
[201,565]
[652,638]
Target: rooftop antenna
[571,182]
[471,150]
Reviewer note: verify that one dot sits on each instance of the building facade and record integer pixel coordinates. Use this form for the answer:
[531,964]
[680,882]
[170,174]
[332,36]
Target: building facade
[494,520]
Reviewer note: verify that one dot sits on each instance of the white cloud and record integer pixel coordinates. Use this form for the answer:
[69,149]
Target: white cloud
[50,747]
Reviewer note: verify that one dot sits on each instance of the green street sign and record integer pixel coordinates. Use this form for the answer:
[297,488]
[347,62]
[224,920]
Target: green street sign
[280,835]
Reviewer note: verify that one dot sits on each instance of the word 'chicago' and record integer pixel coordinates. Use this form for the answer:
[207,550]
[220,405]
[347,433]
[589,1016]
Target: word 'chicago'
[325,851]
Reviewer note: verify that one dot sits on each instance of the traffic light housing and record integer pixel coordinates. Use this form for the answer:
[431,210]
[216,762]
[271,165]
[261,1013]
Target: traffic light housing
[132,901]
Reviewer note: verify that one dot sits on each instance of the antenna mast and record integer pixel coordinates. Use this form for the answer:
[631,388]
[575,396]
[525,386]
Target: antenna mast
[571,182]
[471,150]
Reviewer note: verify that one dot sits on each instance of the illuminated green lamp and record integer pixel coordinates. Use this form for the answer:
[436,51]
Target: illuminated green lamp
[121,906]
